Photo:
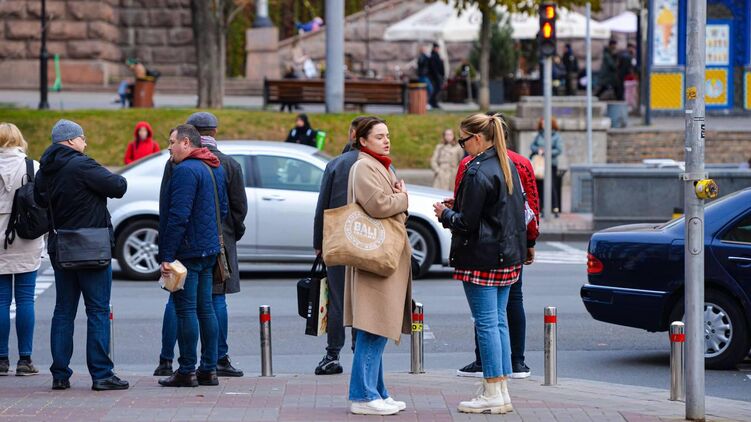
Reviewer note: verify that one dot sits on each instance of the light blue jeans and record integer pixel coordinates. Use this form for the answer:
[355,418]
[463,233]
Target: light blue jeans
[488,306]
[366,382]
[23,285]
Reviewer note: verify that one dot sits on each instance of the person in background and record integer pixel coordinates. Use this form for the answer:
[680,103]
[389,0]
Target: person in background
[445,160]
[74,188]
[436,73]
[608,76]
[289,73]
[302,133]
[188,232]
[488,248]
[142,145]
[378,308]
[538,148]
[423,70]
[571,66]
[19,258]
[334,195]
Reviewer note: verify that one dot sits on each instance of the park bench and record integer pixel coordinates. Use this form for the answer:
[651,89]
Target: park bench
[313,91]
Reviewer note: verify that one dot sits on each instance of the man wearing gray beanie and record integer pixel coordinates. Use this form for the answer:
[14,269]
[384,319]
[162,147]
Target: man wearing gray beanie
[66,180]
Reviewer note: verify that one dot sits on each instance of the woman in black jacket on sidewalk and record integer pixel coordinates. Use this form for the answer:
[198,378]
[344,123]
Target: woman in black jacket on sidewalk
[488,247]
[302,133]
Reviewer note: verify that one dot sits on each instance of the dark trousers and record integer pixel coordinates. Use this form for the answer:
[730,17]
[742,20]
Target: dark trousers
[95,286]
[517,325]
[335,326]
[169,327]
[555,194]
[433,100]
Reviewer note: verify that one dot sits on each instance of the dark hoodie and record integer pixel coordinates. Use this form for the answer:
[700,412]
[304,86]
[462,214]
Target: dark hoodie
[188,227]
[75,189]
[138,148]
[302,135]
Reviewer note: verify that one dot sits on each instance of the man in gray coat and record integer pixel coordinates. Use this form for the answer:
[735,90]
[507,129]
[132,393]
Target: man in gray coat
[333,194]
[233,229]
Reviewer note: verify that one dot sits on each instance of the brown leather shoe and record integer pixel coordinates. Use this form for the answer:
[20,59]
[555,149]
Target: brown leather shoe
[180,380]
[207,378]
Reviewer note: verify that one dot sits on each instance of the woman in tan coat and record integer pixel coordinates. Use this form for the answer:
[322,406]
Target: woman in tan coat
[378,308]
[445,161]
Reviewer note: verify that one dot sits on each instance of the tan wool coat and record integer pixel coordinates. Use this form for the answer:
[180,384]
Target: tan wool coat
[379,305]
[445,162]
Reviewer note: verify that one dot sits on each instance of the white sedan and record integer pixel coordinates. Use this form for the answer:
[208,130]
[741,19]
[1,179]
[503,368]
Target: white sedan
[282,182]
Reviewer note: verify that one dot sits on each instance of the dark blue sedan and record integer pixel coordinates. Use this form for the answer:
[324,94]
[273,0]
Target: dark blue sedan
[635,275]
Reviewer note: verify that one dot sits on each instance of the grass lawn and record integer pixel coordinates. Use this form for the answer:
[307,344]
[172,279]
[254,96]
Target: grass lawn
[109,131]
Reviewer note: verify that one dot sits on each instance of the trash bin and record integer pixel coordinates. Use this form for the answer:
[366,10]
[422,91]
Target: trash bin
[618,113]
[143,93]
[418,98]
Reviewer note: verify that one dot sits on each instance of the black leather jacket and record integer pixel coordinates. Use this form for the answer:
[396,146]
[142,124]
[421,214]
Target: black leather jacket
[487,224]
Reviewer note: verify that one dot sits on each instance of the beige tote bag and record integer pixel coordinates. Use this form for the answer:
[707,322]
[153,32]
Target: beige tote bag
[352,237]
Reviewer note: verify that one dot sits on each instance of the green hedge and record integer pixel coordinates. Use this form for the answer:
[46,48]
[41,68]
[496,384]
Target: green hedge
[109,131]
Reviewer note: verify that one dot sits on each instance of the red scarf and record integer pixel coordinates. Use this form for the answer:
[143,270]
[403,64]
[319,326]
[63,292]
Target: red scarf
[386,161]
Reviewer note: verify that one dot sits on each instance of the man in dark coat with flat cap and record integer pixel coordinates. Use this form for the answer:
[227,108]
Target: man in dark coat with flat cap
[233,229]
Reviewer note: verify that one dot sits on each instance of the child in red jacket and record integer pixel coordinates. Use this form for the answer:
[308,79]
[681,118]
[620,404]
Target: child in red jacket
[142,144]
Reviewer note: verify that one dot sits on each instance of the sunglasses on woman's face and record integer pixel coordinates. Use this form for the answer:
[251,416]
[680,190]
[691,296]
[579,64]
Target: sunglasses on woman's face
[464,140]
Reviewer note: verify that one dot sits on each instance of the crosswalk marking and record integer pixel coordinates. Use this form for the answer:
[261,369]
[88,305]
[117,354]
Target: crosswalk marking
[564,255]
[43,282]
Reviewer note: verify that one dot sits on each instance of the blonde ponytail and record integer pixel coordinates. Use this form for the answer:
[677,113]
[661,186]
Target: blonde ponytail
[499,140]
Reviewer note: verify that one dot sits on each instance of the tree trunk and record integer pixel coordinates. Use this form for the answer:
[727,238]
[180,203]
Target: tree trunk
[484,94]
[210,45]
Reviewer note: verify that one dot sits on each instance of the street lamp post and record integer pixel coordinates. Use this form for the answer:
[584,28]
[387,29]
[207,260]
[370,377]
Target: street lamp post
[43,56]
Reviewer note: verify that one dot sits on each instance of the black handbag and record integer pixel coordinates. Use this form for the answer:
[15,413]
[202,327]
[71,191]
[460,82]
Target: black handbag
[82,249]
[306,286]
[221,272]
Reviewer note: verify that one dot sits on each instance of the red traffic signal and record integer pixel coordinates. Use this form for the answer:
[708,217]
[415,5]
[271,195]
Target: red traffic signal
[548,15]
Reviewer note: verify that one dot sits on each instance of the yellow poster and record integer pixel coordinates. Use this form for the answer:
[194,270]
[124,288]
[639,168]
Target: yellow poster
[716,88]
[666,91]
[747,90]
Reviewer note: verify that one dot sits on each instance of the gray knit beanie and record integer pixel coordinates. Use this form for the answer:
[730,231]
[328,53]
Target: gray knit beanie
[65,130]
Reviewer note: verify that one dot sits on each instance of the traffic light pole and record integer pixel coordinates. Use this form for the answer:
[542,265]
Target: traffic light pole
[694,208]
[547,84]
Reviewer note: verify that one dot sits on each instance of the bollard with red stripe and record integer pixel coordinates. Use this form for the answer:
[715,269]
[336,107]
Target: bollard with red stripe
[677,339]
[112,334]
[417,354]
[264,318]
[550,347]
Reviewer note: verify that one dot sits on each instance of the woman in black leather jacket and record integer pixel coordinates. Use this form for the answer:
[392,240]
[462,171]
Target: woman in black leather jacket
[488,247]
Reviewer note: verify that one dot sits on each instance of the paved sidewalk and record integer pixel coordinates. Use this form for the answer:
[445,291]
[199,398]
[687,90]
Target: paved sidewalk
[429,397]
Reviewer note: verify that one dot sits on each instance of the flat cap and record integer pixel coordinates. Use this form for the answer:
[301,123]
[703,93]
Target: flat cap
[202,120]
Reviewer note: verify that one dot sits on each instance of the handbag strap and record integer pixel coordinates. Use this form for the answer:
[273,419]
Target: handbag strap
[354,173]
[216,205]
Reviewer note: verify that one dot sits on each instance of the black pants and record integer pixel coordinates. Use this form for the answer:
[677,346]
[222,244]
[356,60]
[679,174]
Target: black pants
[433,100]
[517,325]
[335,327]
[556,194]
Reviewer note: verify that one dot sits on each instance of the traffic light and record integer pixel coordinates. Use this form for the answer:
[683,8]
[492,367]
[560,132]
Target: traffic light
[548,15]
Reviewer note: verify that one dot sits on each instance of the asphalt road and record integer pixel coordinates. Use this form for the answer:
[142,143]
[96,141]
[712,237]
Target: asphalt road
[587,349]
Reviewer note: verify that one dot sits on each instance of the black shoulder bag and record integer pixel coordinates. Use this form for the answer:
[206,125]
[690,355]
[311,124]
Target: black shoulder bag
[221,268]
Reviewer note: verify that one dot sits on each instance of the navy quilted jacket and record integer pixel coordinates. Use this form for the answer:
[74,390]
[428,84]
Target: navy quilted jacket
[188,228]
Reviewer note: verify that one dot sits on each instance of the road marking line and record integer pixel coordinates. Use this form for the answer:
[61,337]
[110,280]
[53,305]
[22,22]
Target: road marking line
[566,248]
[426,333]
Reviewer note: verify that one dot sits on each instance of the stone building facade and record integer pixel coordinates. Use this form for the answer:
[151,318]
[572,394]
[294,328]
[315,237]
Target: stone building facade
[93,38]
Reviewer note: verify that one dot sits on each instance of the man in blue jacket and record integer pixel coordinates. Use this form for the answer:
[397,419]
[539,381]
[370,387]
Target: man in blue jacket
[74,188]
[189,232]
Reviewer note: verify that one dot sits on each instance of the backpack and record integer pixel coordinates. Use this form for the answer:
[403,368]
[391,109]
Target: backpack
[27,219]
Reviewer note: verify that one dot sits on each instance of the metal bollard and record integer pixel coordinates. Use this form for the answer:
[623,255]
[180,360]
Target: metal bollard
[551,323]
[417,353]
[264,316]
[112,334]
[677,340]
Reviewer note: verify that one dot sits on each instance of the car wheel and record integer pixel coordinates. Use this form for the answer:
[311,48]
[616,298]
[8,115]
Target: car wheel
[137,250]
[423,246]
[726,335]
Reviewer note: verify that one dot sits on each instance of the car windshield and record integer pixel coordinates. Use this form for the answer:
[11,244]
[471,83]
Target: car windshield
[708,208]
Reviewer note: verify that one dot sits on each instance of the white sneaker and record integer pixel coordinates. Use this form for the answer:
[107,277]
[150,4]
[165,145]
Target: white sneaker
[375,407]
[399,404]
[489,400]
[506,398]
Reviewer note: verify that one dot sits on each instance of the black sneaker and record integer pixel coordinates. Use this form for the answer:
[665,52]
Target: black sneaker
[24,367]
[224,368]
[59,384]
[207,378]
[164,369]
[111,383]
[4,367]
[520,370]
[473,370]
[329,365]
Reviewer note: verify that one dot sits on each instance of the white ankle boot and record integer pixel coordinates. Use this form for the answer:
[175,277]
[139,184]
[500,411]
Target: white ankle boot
[489,400]
[506,398]
[399,404]
[375,407]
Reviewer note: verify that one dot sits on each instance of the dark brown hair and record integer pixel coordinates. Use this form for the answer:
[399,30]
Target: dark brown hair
[553,123]
[364,127]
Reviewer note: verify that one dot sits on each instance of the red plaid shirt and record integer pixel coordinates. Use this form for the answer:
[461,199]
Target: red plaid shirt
[500,277]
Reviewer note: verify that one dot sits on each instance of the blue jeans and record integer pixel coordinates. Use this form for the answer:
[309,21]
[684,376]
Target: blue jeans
[23,285]
[169,327]
[488,306]
[517,325]
[96,286]
[366,382]
[195,312]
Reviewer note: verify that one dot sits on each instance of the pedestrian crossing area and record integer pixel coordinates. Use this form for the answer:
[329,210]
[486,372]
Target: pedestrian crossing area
[562,254]
[44,281]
